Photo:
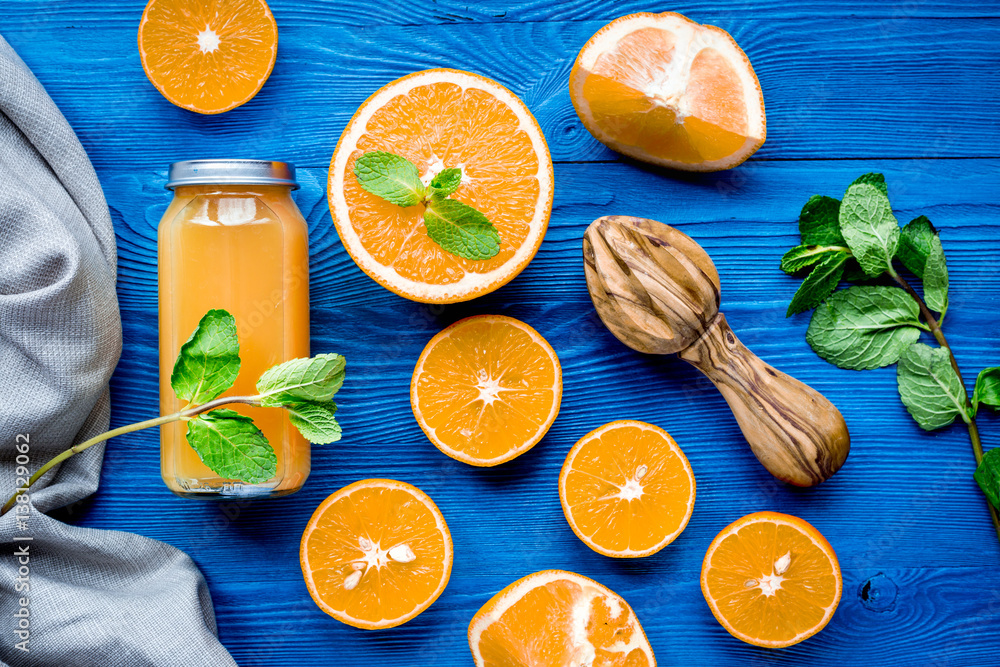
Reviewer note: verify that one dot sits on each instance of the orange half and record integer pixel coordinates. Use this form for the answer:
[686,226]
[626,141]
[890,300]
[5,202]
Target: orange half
[486,389]
[663,89]
[208,56]
[441,119]
[558,619]
[771,579]
[376,554]
[627,489]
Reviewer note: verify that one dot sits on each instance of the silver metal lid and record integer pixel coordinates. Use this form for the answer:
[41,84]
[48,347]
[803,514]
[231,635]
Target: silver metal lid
[231,172]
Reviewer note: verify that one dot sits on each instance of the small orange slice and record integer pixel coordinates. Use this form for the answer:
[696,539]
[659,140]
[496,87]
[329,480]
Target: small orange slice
[441,119]
[486,389]
[558,619]
[376,554]
[208,56]
[661,88]
[627,489]
[771,579]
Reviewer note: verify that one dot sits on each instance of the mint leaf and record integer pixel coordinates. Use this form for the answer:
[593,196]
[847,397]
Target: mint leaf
[864,327]
[391,177]
[461,229]
[915,245]
[209,361]
[868,225]
[819,284]
[987,389]
[987,475]
[802,256]
[853,272]
[232,446]
[876,180]
[456,227]
[308,379]
[929,387]
[936,278]
[819,222]
[315,421]
[446,182]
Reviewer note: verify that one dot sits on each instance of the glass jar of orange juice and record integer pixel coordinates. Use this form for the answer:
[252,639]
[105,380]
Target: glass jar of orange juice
[232,238]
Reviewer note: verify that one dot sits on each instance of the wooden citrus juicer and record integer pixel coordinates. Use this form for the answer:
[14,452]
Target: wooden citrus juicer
[658,292]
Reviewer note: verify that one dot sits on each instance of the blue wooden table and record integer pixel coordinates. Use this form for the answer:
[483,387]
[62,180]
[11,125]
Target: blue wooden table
[908,88]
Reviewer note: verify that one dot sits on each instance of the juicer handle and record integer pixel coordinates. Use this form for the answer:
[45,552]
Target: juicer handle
[793,430]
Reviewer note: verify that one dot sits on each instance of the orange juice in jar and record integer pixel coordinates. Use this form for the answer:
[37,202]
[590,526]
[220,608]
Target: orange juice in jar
[233,239]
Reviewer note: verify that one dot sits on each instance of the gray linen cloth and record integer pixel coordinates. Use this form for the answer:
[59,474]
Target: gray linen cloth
[97,598]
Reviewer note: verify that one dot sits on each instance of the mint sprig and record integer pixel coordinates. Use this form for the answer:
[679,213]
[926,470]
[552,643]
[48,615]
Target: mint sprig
[987,390]
[209,361]
[821,280]
[457,227]
[929,388]
[987,475]
[874,325]
[868,225]
[315,420]
[461,229]
[309,379]
[915,245]
[446,182]
[864,327]
[391,177]
[232,446]
[819,222]
[226,441]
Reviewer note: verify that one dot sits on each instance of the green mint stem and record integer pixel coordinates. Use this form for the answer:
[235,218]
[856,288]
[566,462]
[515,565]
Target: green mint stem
[122,430]
[970,419]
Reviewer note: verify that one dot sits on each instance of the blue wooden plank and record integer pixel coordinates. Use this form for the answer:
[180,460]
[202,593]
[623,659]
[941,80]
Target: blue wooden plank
[826,86]
[45,15]
[903,514]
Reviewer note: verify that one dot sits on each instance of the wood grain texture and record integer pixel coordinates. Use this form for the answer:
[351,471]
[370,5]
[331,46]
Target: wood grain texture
[826,85]
[49,14]
[793,430]
[841,80]
[653,286]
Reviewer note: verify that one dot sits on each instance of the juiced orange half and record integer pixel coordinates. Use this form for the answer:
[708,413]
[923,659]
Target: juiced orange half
[558,619]
[661,88]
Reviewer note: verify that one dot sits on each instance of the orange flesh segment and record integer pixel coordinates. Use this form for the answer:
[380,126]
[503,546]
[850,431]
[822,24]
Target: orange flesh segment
[797,607]
[621,88]
[435,126]
[661,88]
[628,488]
[208,55]
[387,517]
[487,387]
[538,629]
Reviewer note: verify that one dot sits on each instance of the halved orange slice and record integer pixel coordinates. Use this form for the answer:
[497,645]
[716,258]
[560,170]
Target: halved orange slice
[771,579]
[441,119]
[208,56]
[661,88]
[627,489]
[376,553]
[558,619]
[486,389]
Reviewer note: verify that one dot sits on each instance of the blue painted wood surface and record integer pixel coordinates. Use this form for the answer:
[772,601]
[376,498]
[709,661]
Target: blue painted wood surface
[907,88]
